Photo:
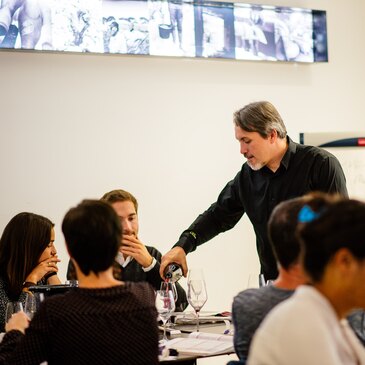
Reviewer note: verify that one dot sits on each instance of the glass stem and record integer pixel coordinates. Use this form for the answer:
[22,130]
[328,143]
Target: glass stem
[164,331]
[197,321]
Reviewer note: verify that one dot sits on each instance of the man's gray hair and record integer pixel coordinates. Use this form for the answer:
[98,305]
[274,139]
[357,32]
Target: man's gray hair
[261,117]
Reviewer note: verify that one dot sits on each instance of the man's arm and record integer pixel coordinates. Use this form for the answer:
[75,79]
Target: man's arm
[219,217]
[8,344]
[153,277]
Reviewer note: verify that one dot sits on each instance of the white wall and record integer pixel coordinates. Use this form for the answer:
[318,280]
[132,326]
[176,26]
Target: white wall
[75,126]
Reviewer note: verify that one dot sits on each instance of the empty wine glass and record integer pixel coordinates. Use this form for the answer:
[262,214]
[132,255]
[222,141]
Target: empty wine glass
[262,281]
[165,305]
[72,283]
[12,308]
[197,292]
[166,286]
[30,305]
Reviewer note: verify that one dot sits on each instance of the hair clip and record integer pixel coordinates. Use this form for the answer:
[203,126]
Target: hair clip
[306,214]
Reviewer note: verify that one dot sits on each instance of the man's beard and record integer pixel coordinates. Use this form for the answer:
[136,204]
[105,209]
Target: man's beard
[256,166]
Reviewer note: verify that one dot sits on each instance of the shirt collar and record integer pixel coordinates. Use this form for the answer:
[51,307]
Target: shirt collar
[121,261]
[292,148]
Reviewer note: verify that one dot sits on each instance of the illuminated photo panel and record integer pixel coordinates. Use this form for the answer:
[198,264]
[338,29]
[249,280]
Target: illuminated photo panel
[263,33]
[166,28]
[172,28]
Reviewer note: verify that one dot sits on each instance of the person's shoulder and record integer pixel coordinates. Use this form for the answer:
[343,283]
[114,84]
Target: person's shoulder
[59,303]
[278,319]
[138,286]
[142,291]
[291,307]
[248,296]
[316,152]
[247,293]
[265,293]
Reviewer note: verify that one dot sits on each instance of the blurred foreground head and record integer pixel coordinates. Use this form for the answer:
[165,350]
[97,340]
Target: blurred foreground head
[92,233]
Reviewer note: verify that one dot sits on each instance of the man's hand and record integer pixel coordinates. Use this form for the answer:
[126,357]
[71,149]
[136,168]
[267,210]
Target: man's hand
[18,321]
[177,255]
[132,246]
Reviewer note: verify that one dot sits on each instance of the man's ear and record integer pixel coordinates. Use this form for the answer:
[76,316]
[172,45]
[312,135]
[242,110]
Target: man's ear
[344,260]
[273,136]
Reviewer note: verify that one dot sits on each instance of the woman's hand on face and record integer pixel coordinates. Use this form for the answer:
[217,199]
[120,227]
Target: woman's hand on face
[44,267]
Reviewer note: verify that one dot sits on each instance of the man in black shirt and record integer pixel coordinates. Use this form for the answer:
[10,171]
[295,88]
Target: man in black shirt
[276,169]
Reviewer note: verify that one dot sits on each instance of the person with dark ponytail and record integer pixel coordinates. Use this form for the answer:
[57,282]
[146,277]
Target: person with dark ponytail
[311,326]
[27,257]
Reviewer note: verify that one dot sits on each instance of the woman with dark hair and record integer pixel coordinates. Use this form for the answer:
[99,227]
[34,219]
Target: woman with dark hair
[311,326]
[103,320]
[27,257]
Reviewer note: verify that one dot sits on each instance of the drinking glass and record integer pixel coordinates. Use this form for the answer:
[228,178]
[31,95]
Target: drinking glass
[165,305]
[166,286]
[262,281]
[30,305]
[197,292]
[12,308]
[72,283]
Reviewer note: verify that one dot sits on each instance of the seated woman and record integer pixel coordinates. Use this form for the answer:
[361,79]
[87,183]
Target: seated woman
[27,257]
[310,327]
[103,321]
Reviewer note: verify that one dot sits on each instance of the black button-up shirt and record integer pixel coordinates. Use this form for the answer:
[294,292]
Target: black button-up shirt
[256,193]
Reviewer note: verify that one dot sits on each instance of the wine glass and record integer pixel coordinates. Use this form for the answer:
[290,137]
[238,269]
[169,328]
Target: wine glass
[165,305]
[166,286]
[262,281]
[32,303]
[12,308]
[72,283]
[197,292]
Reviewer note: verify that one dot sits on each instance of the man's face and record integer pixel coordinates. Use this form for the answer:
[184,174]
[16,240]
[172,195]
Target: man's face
[256,149]
[128,217]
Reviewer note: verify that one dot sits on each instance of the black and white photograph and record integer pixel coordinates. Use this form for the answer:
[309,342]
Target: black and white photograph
[214,30]
[172,28]
[248,35]
[273,34]
[126,27]
[294,35]
[25,24]
[77,26]
[255,32]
